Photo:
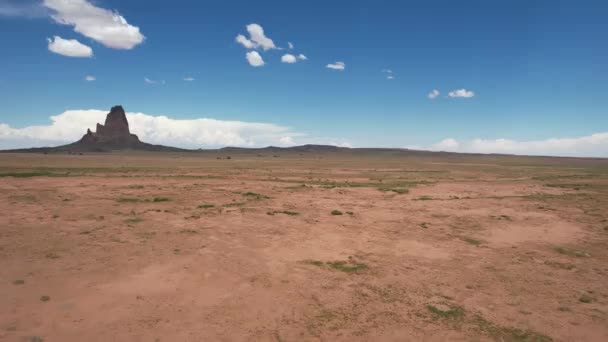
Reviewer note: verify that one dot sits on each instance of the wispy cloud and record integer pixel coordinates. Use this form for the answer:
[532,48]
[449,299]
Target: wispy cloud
[90,78]
[69,47]
[302,57]
[433,94]
[22,8]
[461,93]
[336,66]
[188,79]
[290,45]
[153,82]
[104,26]
[254,59]
[389,74]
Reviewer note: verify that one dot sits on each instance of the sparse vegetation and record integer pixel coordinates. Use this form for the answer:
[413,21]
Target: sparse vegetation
[255,195]
[188,231]
[133,220]
[424,198]
[560,265]
[45,298]
[350,266]
[447,311]
[347,266]
[570,252]
[336,212]
[161,199]
[128,200]
[471,241]
[399,191]
[234,204]
[31,174]
[206,206]
[137,200]
[585,299]
[500,333]
[314,262]
[286,212]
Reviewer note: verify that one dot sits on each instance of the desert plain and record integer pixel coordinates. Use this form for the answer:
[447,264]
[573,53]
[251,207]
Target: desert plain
[348,245]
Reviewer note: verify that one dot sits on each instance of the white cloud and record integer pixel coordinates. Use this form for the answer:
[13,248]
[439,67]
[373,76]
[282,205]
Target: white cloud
[104,26]
[153,82]
[461,93]
[290,45]
[337,66]
[388,71]
[302,57]
[71,125]
[448,144]
[69,47]
[245,42]
[188,79]
[594,145]
[390,77]
[288,58]
[433,94]
[90,78]
[257,38]
[254,59]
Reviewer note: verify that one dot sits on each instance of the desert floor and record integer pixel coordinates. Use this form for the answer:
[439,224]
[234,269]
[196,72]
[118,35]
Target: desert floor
[302,247]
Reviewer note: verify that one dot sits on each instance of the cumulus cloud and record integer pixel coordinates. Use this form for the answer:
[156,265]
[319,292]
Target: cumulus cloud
[257,38]
[254,59]
[461,93]
[188,79]
[288,58]
[594,145]
[302,57]
[104,26]
[337,66]
[90,78]
[433,94]
[70,125]
[390,77]
[69,47]
[248,44]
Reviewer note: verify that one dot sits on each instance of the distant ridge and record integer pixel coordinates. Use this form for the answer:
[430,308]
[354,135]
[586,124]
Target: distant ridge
[115,135]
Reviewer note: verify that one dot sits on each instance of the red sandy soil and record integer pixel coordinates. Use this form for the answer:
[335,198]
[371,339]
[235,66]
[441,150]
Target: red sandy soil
[476,251]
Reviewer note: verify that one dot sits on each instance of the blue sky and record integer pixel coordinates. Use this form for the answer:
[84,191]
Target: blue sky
[537,69]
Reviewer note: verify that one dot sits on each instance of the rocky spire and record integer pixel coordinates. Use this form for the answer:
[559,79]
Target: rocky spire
[114,132]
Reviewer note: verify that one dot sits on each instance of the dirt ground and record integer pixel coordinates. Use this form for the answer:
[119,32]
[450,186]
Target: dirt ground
[302,247]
